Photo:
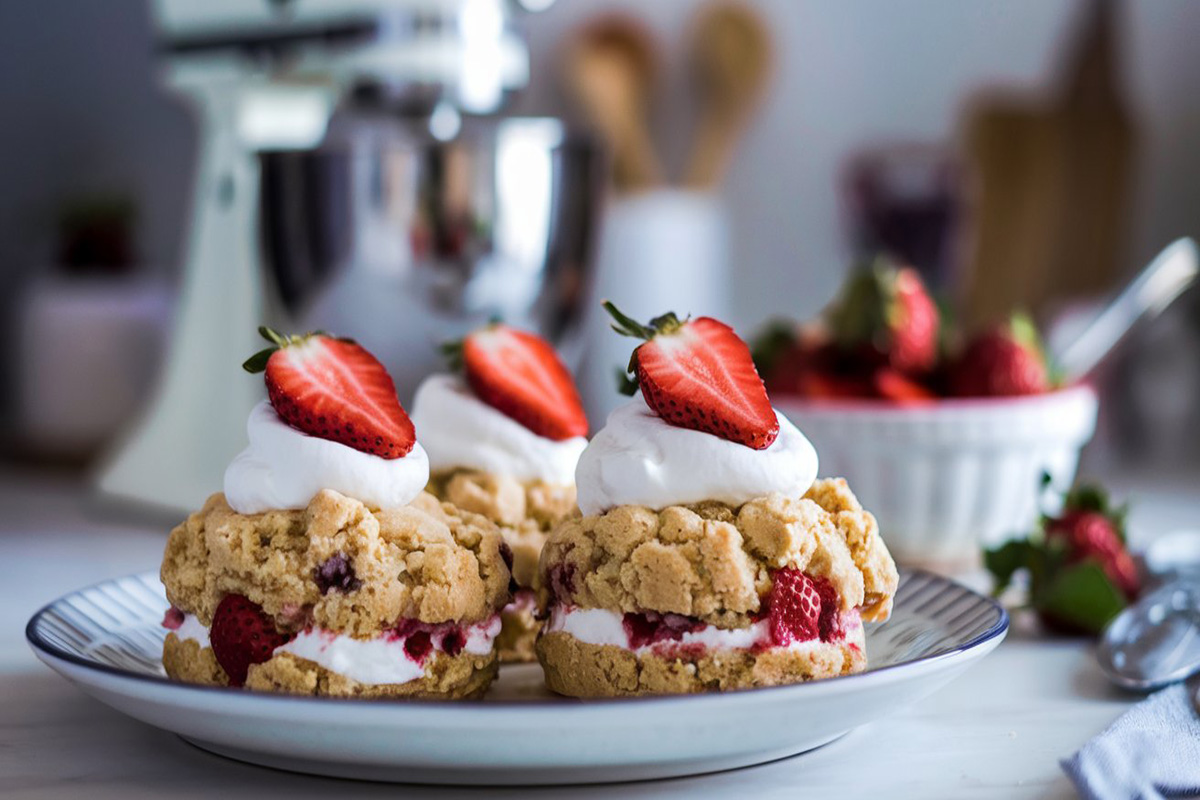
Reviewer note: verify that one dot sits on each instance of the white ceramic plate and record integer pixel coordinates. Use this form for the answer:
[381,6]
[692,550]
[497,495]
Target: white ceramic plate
[108,638]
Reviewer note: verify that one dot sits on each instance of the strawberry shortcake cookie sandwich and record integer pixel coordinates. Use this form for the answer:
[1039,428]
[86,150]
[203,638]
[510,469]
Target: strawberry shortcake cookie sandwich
[708,556]
[504,434]
[324,568]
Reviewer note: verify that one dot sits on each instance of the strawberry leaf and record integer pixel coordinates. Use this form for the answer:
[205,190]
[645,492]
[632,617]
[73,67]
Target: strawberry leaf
[258,362]
[627,326]
[1006,560]
[771,344]
[453,353]
[1087,498]
[863,306]
[1081,596]
[626,384]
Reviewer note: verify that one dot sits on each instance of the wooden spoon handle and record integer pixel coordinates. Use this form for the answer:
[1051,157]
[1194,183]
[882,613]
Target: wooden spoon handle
[711,153]
[610,69]
[730,55]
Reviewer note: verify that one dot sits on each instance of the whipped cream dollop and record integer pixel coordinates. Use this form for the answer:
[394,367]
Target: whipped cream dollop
[285,468]
[637,458]
[381,660]
[460,430]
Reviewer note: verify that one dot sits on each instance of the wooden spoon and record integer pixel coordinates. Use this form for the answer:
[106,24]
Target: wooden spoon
[610,70]
[730,57]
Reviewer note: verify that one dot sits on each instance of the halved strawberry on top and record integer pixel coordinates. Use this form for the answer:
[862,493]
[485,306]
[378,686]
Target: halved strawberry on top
[519,374]
[697,374]
[334,389]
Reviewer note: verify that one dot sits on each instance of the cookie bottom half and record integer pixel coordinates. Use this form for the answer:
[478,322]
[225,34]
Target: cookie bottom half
[519,630]
[579,669]
[446,677]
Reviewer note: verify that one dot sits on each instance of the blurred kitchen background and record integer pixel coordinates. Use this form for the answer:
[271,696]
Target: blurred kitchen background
[525,158]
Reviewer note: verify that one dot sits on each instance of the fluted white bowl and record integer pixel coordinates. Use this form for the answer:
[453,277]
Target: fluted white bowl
[947,478]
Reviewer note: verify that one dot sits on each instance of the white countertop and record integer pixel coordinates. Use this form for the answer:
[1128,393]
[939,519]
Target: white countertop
[996,732]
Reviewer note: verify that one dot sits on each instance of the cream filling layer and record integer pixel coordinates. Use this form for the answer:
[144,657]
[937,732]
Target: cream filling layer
[381,660]
[599,626]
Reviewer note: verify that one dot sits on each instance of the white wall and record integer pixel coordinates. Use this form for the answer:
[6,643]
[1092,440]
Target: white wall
[80,109]
[866,71]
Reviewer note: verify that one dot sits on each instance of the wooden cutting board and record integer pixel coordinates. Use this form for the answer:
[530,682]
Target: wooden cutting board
[1052,183]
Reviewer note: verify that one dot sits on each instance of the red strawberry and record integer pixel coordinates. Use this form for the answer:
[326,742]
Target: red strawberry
[242,635]
[794,607]
[830,626]
[1004,361]
[698,374]
[1091,535]
[520,375]
[334,389]
[817,385]
[894,386]
[809,367]
[885,314]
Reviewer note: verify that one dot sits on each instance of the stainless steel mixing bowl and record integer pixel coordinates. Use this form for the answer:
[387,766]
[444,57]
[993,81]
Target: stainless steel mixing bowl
[402,239]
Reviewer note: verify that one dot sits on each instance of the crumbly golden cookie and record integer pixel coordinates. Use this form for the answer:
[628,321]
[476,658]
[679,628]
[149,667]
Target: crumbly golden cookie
[714,562]
[349,569]
[342,569]
[776,576]
[520,626]
[860,531]
[525,512]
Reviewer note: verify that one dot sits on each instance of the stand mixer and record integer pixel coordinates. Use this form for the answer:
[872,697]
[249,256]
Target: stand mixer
[354,175]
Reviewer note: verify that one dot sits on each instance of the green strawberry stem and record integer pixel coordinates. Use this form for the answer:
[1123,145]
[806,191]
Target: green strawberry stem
[453,353]
[627,326]
[452,350]
[862,309]
[258,362]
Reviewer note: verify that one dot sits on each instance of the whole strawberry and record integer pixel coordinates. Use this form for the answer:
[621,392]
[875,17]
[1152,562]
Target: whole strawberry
[242,634]
[1080,573]
[885,315]
[1006,360]
[805,362]
[1096,536]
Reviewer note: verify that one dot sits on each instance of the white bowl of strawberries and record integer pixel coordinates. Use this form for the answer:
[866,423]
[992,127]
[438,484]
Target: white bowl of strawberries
[947,446]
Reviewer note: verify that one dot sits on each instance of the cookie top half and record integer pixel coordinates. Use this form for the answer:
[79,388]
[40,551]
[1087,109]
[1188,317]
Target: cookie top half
[339,565]
[715,562]
[525,511]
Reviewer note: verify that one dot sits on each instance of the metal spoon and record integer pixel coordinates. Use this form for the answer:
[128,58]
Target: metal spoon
[1168,275]
[1156,641]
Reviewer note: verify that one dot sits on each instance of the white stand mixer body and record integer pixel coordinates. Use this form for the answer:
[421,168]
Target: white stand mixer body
[195,423]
